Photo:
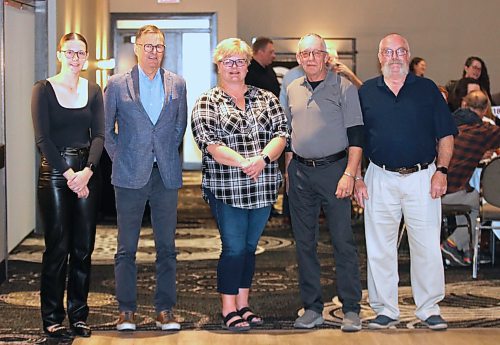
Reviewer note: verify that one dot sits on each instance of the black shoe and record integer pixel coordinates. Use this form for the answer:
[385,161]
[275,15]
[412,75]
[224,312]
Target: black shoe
[55,331]
[484,258]
[81,329]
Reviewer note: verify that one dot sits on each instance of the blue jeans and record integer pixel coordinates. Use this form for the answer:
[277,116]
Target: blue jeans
[240,231]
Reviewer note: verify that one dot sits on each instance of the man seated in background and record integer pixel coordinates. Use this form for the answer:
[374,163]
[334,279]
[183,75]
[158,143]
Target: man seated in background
[475,137]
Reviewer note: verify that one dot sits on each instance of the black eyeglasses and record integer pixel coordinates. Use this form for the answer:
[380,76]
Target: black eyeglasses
[148,48]
[388,53]
[70,53]
[315,53]
[230,63]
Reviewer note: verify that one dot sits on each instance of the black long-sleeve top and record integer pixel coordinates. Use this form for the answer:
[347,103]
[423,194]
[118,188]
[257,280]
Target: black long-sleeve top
[57,127]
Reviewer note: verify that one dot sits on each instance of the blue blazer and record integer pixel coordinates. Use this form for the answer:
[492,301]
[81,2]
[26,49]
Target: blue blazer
[132,140]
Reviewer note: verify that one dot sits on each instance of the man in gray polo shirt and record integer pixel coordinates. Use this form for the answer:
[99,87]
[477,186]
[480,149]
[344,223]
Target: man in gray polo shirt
[325,118]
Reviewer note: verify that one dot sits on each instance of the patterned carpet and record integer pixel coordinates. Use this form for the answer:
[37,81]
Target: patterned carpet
[468,303]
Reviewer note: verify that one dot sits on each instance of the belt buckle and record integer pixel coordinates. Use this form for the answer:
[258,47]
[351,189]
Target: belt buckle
[405,171]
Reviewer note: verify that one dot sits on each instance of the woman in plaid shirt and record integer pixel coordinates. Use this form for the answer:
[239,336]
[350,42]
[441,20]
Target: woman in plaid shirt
[241,131]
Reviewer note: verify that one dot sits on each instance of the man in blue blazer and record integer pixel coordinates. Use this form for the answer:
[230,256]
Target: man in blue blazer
[146,115]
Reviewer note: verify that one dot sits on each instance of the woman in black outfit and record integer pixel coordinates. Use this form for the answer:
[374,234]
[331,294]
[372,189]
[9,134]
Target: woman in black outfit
[68,118]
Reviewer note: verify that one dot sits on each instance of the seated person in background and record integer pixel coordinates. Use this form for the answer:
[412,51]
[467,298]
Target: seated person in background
[462,88]
[418,66]
[475,137]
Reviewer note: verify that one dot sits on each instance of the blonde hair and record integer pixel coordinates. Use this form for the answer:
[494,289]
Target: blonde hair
[149,29]
[231,46]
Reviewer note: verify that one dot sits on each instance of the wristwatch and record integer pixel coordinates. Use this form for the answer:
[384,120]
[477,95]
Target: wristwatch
[266,159]
[91,166]
[443,170]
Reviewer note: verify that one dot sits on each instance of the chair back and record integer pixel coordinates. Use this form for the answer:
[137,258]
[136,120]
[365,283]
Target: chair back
[490,182]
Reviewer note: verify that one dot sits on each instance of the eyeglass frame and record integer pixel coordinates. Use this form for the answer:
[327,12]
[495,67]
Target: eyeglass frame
[316,53]
[235,62]
[73,52]
[389,53]
[153,47]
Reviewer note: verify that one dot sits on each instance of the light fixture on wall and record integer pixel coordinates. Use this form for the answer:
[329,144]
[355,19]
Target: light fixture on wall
[101,73]
[168,1]
[106,64]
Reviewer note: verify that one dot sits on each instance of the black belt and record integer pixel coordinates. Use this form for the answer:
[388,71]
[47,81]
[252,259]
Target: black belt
[405,170]
[73,151]
[316,162]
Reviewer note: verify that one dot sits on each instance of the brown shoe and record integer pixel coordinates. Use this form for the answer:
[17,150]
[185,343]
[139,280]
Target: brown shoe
[126,322]
[166,321]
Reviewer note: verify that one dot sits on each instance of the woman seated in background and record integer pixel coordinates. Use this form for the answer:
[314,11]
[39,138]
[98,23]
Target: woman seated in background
[241,131]
[418,66]
[68,118]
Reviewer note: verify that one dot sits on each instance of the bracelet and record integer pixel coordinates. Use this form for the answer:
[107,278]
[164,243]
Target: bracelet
[349,174]
[357,178]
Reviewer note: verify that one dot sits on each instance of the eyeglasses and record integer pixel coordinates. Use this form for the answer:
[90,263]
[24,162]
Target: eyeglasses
[148,48]
[315,53]
[81,54]
[388,53]
[230,63]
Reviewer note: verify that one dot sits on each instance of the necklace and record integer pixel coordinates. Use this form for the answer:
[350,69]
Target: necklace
[235,98]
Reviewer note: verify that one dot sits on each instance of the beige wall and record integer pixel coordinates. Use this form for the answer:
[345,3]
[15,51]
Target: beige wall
[444,32]
[91,19]
[19,138]
[226,11]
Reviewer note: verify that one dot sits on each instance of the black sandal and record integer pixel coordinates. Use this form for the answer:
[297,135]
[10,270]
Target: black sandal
[55,331]
[81,329]
[233,325]
[250,319]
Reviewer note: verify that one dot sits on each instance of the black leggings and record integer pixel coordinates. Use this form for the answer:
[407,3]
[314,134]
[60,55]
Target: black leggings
[69,231]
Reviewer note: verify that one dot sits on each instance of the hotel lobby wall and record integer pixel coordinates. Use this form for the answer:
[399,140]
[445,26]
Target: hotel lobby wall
[91,19]
[226,11]
[443,32]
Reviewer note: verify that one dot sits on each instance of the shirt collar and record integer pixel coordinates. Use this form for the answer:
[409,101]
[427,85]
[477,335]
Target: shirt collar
[330,79]
[410,79]
[143,75]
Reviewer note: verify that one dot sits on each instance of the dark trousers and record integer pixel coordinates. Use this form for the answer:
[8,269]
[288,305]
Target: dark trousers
[310,189]
[69,224]
[130,204]
[240,230]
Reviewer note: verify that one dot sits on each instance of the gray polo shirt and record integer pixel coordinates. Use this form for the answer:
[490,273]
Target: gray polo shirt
[319,118]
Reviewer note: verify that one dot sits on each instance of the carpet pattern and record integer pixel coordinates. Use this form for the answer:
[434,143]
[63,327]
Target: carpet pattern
[275,295]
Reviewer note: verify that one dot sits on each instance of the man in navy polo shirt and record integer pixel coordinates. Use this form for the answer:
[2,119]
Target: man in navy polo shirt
[409,141]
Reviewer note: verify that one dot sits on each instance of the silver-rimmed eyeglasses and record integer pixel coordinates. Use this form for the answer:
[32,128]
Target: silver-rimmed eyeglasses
[148,48]
[230,62]
[315,53]
[81,54]
[389,53]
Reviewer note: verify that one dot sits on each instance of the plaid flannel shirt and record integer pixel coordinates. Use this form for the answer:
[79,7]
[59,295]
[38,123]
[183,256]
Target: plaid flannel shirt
[472,141]
[217,120]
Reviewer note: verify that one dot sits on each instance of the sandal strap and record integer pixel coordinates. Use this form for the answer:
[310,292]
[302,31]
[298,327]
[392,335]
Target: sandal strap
[250,317]
[55,327]
[244,310]
[236,322]
[229,316]
[81,324]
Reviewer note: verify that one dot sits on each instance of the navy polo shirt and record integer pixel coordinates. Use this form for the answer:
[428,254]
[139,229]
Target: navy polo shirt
[403,130]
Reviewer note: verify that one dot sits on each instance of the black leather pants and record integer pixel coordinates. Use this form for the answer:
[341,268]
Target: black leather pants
[69,224]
